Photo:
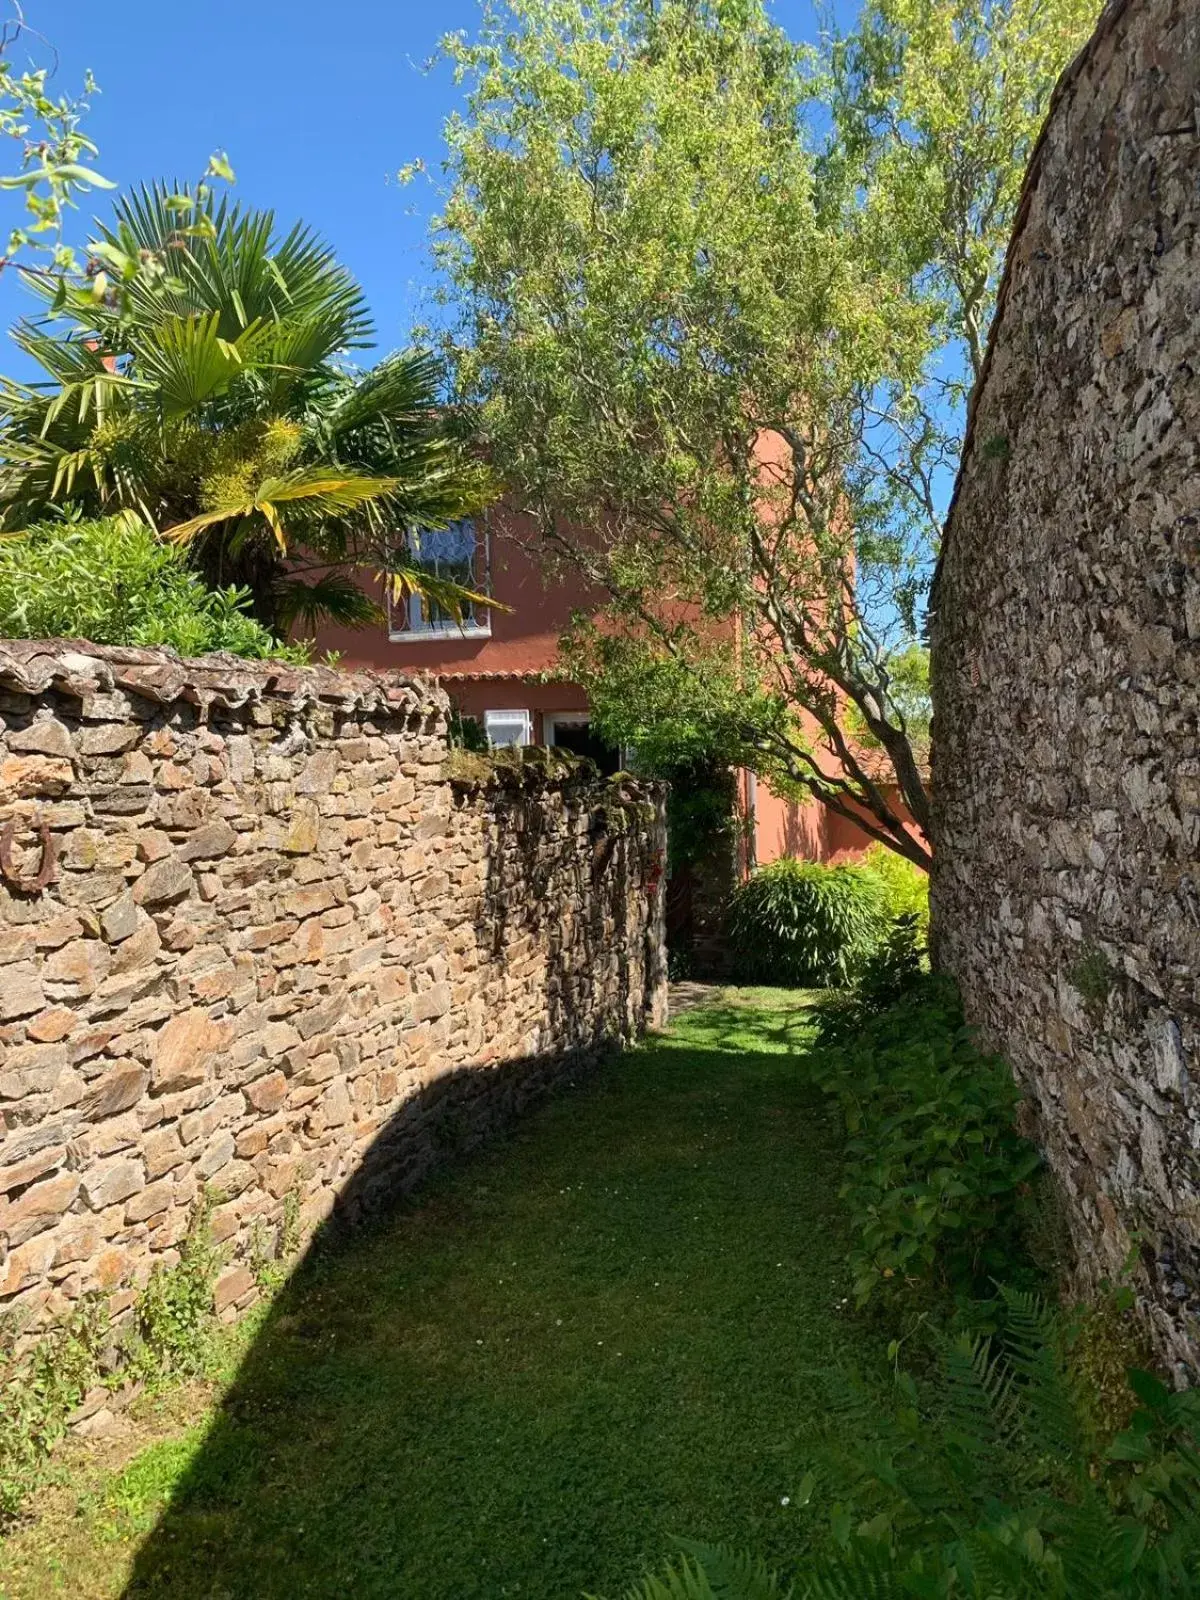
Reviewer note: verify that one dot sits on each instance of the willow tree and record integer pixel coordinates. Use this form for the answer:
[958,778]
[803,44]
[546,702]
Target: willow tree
[707,344]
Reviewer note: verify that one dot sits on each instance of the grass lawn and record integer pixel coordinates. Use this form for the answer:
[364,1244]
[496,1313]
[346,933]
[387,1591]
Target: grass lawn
[593,1337]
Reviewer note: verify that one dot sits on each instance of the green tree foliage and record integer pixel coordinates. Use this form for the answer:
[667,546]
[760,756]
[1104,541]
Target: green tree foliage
[708,344]
[114,582]
[54,164]
[938,104]
[216,404]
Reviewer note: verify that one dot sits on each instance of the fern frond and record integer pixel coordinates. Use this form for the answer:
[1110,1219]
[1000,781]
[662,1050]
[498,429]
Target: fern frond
[685,1581]
[980,1403]
[1033,1347]
[734,1575]
[866,1571]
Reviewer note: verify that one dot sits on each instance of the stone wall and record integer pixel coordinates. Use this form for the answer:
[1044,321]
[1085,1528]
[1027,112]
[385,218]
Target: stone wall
[278,951]
[1066,753]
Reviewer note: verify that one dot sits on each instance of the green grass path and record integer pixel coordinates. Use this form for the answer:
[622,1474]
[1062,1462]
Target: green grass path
[595,1336]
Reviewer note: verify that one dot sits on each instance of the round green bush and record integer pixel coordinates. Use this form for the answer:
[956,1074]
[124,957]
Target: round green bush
[907,886]
[807,924]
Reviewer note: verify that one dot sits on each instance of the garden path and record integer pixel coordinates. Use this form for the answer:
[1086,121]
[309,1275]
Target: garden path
[596,1336]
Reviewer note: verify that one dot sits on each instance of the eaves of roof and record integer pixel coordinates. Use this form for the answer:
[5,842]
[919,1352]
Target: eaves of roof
[532,675]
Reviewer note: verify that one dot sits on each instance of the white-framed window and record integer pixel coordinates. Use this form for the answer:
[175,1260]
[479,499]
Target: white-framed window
[459,553]
[508,727]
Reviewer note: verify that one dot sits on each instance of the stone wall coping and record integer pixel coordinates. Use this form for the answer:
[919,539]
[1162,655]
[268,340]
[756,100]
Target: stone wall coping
[81,669]
[537,769]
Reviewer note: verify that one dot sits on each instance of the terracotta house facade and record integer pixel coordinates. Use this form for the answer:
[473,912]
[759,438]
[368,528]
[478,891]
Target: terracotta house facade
[502,669]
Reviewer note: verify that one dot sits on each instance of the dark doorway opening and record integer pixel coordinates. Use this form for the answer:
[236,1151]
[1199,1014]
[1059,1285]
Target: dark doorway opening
[576,735]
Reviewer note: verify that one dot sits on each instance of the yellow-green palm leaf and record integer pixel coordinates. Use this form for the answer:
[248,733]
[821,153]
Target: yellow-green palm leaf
[321,490]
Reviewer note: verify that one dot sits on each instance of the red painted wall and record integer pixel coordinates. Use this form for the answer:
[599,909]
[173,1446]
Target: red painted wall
[810,830]
[504,672]
[523,640]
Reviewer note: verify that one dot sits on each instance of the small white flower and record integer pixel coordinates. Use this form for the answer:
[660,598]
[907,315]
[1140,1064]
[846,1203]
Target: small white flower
[786,1501]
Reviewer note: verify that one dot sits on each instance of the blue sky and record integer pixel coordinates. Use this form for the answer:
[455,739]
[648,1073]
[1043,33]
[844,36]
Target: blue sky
[316,105]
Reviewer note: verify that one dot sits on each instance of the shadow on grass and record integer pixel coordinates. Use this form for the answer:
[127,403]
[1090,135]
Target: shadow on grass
[784,1019]
[580,1343]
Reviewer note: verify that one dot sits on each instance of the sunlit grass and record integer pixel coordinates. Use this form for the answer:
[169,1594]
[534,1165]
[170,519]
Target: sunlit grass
[599,1335]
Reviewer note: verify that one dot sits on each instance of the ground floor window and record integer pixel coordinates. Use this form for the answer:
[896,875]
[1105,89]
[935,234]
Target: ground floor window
[508,727]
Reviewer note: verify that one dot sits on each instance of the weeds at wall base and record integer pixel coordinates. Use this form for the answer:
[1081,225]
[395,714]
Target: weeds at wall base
[171,1333]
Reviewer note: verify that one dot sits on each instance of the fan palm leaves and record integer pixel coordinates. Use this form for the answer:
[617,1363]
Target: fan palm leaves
[216,401]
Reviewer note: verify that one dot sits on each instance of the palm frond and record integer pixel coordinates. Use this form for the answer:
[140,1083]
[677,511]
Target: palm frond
[319,490]
[336,491]
[453,598]
[401,390]
[333,597]
[188,361]
[240,270]
[66,360]
[175,405]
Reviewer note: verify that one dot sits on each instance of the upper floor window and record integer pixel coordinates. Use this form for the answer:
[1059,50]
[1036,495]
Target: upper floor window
[458,553]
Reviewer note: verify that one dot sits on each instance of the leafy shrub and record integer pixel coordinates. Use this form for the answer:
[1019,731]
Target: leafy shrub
[892,971]
[681,964]
[935,1169]
[467,733]
[805,924]
[988,1484]
[906,885]
[895,968]
[175,1321]
[38,1391]
[113,581]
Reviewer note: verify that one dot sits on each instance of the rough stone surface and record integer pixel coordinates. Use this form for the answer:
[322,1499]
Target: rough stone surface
[1066,753]
[284,951]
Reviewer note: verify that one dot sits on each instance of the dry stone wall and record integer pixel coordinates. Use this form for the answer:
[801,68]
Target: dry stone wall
[278,951]
[1066,752]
